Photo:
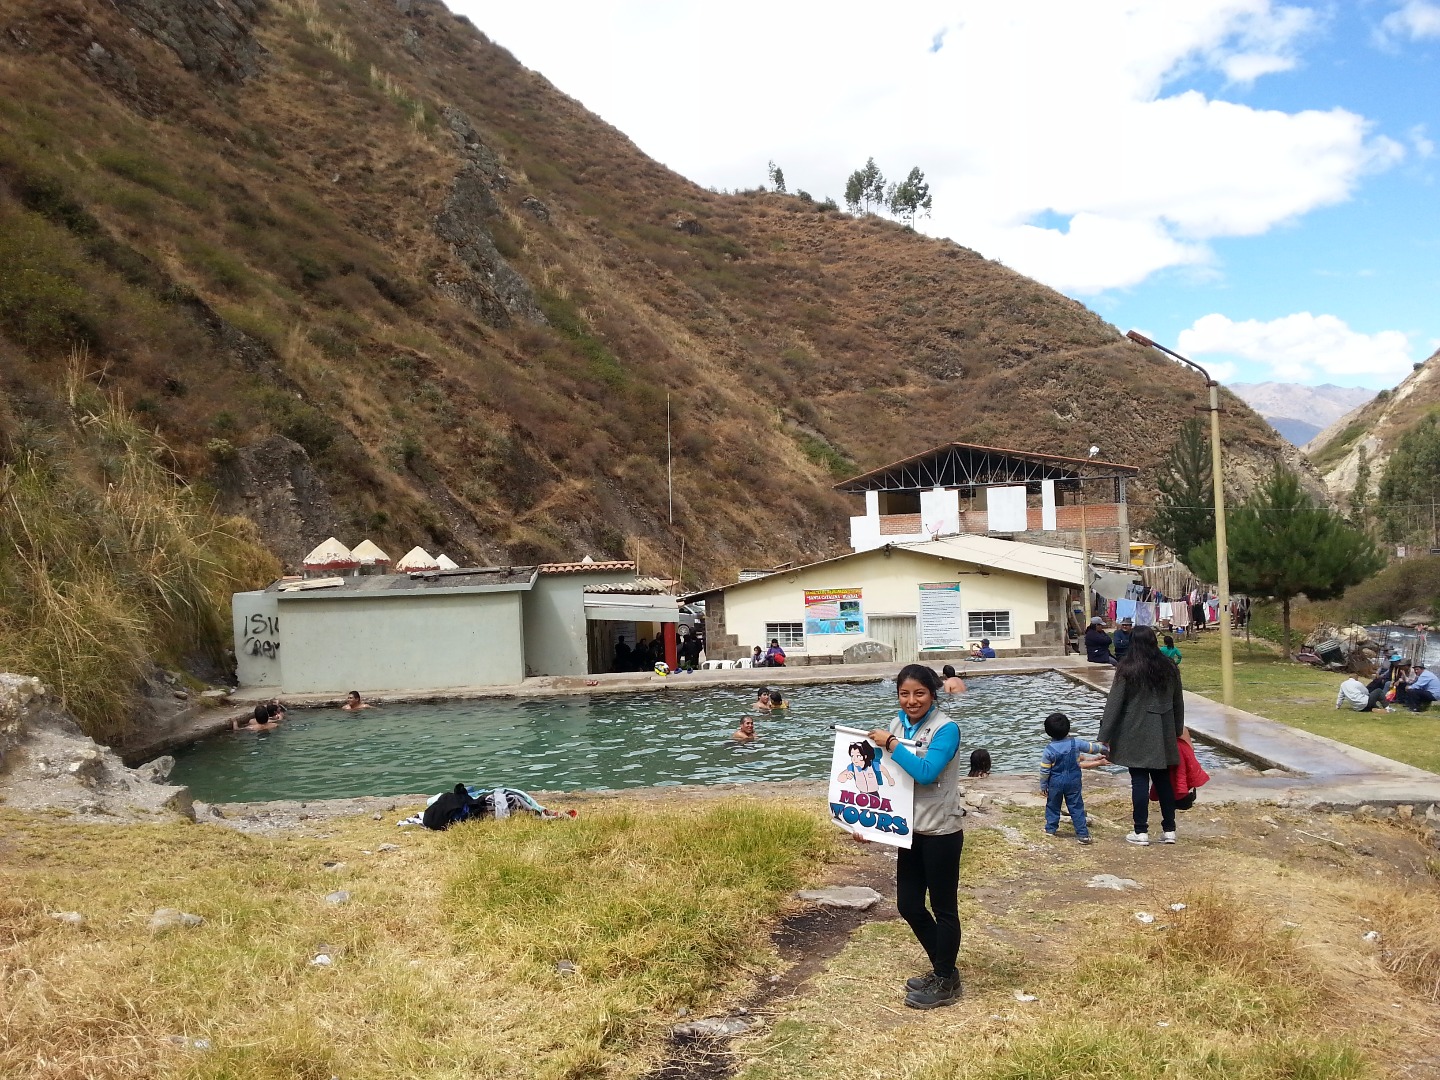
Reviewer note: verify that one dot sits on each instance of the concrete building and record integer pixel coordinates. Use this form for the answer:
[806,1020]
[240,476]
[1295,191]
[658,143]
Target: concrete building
[929,599]
[443,629]
[961,488]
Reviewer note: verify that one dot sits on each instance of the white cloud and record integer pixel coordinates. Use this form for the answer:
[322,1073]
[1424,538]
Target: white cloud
[1414,19]
[1421,143]
[1301,347]
[1029,112]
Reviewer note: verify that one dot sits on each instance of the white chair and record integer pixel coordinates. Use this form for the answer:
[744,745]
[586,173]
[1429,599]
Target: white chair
[745,662]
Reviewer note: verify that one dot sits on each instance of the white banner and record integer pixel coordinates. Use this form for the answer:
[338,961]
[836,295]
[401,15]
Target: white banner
[940,622]
[870,795]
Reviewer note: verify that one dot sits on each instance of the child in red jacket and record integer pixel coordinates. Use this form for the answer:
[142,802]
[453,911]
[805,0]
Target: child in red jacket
[1186,777]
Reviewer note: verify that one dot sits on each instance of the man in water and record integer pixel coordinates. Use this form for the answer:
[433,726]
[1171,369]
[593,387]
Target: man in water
[953,684]
[746,731]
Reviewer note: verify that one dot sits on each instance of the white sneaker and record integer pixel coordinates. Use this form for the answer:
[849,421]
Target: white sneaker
[1167,837]
[1137,838]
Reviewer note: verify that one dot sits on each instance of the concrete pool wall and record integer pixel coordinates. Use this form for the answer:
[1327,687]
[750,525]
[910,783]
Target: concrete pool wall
[1324,769]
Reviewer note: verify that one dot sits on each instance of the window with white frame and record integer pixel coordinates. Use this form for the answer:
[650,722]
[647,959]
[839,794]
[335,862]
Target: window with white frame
[989,624]
[791,635]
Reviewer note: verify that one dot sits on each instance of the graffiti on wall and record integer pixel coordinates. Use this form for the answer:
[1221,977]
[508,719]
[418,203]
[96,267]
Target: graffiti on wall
[262,635]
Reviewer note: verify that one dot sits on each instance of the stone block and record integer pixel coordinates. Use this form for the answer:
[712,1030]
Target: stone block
[869,651]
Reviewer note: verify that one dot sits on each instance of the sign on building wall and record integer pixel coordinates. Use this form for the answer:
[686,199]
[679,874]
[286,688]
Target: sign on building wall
[870,796]
[833,611]
[941,625]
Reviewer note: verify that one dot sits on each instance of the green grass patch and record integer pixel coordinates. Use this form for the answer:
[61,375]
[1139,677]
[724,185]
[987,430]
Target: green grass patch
[601,364]
[1304,697]
[822,453]
[144,170]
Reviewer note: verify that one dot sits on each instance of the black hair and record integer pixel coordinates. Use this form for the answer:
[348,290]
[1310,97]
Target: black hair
[867,752]
[949,671]
[1057,725]
[775,698]
[979,761]
[1169,642]
[924,674]
[1144,664]
[353,693]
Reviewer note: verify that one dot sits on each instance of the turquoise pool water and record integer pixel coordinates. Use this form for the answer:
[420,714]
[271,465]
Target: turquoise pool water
[604,742]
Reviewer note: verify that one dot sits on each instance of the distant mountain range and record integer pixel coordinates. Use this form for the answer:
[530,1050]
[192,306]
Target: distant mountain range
[1298,412]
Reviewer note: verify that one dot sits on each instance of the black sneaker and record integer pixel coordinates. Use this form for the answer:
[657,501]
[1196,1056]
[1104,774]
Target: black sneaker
[922,982]
[940,993]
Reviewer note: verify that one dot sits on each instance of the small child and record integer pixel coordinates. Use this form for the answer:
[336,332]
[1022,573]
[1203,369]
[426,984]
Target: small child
[1060,767]
[1169,649]
[980,763]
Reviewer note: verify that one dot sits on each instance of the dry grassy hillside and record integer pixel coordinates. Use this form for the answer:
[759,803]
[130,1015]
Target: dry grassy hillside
[366,274]
[1374,428]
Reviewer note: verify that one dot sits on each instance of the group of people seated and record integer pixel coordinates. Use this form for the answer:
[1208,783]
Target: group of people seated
[1395,683]
[1099,644]
[774,656]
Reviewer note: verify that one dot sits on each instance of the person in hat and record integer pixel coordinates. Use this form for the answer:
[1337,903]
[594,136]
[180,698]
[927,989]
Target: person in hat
[1097,643]
[1122,638]
[1421,690]
[985,650]
[1385,676]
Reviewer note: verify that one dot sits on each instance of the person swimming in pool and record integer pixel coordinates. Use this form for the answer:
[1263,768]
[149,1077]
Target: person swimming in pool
[864,771]
[746,731]
[353,702]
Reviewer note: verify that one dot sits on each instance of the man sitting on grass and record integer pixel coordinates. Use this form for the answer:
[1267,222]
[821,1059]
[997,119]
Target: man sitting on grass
[1422,689]
[1359,697]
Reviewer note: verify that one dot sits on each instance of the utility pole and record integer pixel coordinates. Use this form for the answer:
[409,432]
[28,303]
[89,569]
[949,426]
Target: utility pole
[1222,551]
[669,471]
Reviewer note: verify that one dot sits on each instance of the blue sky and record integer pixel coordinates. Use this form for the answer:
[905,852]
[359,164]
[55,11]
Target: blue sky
[1250,182]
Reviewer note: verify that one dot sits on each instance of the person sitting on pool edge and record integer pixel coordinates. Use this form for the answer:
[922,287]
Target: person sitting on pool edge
[953,684]
[986,652]
[746,730]
[353,702]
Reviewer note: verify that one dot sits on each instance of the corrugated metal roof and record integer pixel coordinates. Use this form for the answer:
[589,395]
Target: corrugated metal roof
[645,586]
[1018,557]
[479,579]
[585,567]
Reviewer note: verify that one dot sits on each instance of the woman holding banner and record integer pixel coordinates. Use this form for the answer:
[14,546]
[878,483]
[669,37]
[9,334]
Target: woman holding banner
[931,865]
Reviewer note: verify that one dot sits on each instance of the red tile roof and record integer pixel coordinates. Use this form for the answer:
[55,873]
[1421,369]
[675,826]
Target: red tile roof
[585,567]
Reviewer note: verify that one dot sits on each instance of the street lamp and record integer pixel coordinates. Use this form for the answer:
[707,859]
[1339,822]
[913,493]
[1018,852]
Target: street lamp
[1222,557]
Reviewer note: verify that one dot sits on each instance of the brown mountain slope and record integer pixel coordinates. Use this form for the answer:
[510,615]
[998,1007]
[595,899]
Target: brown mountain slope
[1373,430]
[369,275]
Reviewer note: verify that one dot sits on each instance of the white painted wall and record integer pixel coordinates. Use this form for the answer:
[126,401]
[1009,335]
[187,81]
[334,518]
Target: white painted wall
[554,608]
[256,623]
[890,586]
[940,511]
[408,641]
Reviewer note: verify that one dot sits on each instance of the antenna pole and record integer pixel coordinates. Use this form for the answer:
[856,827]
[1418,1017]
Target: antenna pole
[669,470]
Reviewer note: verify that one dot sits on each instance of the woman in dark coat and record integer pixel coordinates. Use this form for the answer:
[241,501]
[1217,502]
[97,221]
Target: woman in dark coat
[1144,718]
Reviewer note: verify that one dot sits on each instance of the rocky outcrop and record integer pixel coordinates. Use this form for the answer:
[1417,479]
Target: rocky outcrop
[274,484]
[483,280]
[211,37]
[48,763]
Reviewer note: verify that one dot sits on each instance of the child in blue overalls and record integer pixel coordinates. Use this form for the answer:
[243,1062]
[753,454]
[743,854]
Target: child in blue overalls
[1060,767]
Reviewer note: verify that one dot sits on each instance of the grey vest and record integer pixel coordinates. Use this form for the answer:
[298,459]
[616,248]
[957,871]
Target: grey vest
[937,806]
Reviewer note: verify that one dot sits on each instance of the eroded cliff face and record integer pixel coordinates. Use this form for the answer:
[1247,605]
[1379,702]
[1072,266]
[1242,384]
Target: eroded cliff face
[1372,432]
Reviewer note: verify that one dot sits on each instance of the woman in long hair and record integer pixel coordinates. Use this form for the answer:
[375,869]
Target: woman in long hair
[930,867]
[1144,718]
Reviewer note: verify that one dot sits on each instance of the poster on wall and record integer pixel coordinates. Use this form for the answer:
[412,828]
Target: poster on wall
[833,611]
[870,796]
[940,622]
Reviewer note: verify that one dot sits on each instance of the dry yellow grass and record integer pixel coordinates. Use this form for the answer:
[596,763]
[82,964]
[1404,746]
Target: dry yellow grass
[444,956]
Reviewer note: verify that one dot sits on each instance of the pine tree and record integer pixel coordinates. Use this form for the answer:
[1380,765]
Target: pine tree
[1184,515]
[1412,478]
[1360,494]
[1282,545]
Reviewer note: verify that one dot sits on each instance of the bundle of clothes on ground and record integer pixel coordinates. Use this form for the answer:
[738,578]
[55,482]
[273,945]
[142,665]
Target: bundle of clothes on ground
[463,803]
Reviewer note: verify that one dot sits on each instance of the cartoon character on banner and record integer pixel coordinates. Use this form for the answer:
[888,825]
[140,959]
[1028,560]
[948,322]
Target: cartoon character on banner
[865,771]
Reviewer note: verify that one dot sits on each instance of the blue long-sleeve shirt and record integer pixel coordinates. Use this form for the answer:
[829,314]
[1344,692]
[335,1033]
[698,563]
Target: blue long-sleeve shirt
[1426,680]
[943,746]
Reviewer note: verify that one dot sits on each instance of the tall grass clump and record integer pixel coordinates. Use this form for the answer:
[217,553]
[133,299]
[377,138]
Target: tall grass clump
[109,562]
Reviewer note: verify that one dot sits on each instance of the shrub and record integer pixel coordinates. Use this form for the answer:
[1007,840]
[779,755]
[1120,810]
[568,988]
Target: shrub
[43,304]
[106,559]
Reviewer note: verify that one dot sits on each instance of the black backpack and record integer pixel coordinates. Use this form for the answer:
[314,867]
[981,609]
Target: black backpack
[453,806]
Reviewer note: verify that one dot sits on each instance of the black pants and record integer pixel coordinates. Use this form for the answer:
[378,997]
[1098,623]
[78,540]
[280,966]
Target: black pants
[1377,699]
[1140,781]
[932,865]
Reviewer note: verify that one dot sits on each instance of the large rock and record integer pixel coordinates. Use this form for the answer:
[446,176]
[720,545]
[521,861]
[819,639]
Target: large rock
[869,652]
[483,280]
